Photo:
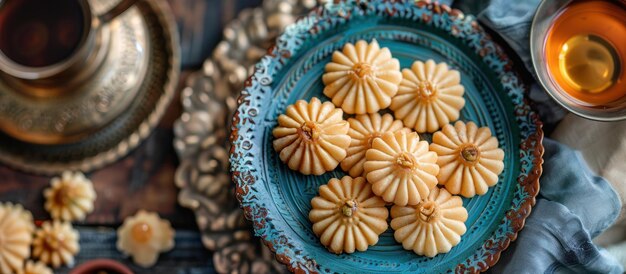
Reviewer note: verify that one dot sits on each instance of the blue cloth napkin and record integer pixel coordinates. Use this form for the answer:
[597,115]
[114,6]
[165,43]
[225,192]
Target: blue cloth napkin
[573,205]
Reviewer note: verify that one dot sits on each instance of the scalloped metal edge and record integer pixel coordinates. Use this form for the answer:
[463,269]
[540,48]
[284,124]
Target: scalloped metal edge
[529,182]
[145,128]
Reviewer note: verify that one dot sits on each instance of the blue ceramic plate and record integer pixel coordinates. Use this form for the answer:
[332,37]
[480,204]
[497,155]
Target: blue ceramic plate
[277,199]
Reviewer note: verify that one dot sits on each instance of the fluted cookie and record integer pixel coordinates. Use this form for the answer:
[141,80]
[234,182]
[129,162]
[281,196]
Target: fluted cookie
[469,158]
[16,236]
[347,216]
[312,138]
[364,129]
[400,168]
[433,226]
[430,96]
[362,78]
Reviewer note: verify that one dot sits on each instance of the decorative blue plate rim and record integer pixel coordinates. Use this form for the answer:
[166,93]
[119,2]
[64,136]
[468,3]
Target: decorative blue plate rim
[451,21]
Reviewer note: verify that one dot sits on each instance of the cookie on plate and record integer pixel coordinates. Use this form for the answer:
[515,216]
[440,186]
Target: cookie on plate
[312,138]
[400,168]
[347,216]
[469,158]
[430,96]
[364,129]
[362,78]
[433,226]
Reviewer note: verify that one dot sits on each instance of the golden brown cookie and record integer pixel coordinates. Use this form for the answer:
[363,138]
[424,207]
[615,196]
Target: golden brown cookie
[347,216]
[362,78]
[400,168]
[469,158]
[16,236]
[431,227]
[364,129]
[70,197]
[430,96]
[56,244]
[32,267]
[312,138]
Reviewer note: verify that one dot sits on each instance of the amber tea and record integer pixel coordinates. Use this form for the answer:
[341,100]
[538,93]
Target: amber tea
[39,33]
[586,51]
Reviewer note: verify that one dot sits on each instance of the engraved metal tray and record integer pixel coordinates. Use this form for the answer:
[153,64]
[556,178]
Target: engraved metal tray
[109,115]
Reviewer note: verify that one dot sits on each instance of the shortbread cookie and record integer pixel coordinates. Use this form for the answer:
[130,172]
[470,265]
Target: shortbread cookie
[362,78]
[430,96]
[70,197]
[400,168]
[431,227]
[16,236]
[312,138]
[364,129]
[56,243]
[347,216]
[469,158]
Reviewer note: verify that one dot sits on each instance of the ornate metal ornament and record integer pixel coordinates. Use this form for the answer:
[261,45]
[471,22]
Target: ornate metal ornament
[85,125]
[202,131]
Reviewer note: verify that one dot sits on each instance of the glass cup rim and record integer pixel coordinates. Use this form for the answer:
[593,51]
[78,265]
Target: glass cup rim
[538,37]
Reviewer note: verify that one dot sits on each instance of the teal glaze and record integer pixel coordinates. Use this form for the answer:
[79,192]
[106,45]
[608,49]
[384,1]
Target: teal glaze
[277,199]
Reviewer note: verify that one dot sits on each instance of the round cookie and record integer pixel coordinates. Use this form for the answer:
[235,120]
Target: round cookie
[433,226]
[311,138]
[347,216]
[364,129]
[362,78]
[430,96]
[469,158]
[400,168]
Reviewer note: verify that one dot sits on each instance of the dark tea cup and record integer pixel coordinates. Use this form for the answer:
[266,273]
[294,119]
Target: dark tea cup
[44,40]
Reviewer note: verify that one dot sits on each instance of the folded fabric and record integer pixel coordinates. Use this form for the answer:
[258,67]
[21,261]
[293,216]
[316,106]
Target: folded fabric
[600,145]
[573,207]
[605,152]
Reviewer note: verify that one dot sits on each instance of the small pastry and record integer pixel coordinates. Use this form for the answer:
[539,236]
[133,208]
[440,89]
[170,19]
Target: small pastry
[362,78]
[312,138]
[70,197]
[56,243]
[16,236]
[469,158]
[347,216]
[400,168]
[35,268]
[144,236]
[430,96]
[431,227]
[364,129]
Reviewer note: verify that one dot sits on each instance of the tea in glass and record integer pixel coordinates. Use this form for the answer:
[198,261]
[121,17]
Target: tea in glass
[585,51]
[39,33]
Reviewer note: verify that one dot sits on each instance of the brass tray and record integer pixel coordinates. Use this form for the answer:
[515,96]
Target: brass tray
[103,119]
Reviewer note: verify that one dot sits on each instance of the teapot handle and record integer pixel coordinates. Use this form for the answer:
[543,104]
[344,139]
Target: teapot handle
[116,10]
